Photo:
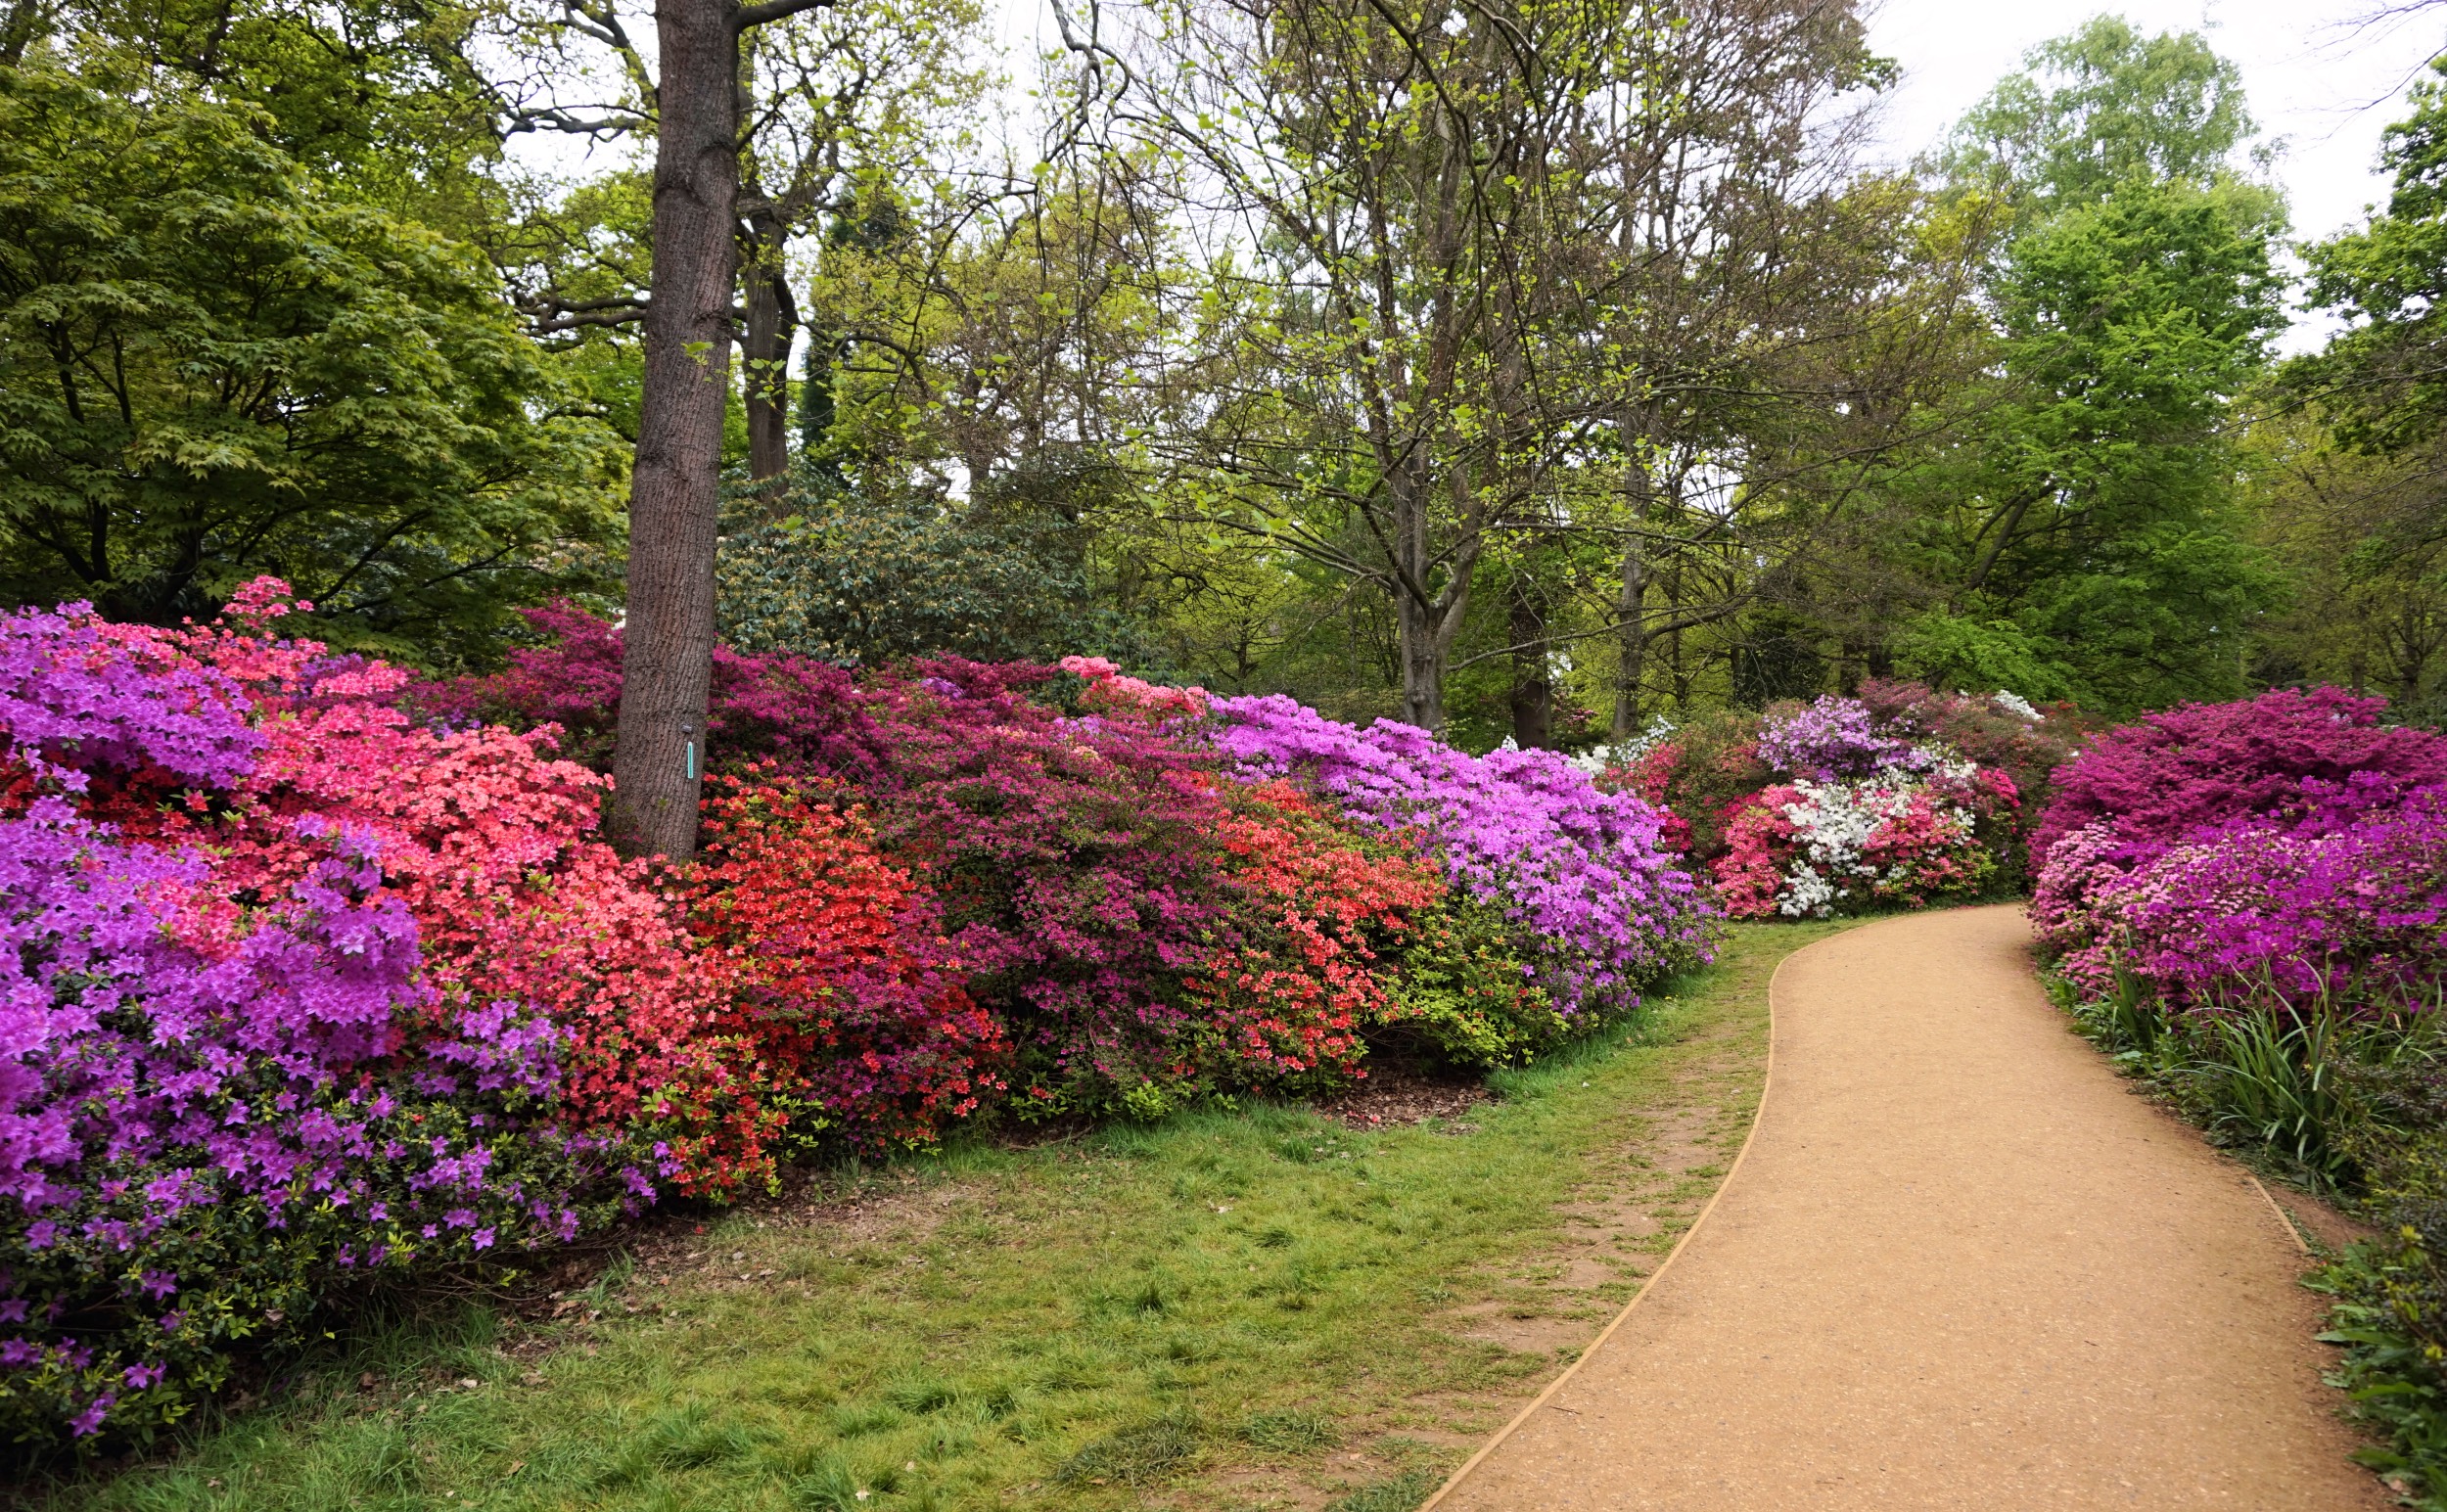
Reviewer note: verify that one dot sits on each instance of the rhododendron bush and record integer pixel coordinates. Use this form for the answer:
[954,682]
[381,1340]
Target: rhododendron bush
[2287,848]
[323,974]
[1847,803]
[1598,905]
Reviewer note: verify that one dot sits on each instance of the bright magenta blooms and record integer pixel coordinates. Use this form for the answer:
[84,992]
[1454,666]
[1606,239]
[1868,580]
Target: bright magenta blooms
[2284,849]
[323,973]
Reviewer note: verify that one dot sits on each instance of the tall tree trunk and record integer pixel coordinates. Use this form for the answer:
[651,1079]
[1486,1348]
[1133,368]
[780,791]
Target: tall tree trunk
[1631,671]
[1533,693]
[674,495]
[764,350]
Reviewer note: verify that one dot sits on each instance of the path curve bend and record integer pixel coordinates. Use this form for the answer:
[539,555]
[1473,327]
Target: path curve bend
[1960,1265]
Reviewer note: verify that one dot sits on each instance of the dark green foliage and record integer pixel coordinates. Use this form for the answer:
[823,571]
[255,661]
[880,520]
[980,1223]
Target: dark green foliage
[850,574]
[211,368]
[2389,279]
[2086,540]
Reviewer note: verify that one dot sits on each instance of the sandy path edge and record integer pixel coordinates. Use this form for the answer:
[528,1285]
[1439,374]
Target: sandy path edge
[1750,1137]
[1956,1263]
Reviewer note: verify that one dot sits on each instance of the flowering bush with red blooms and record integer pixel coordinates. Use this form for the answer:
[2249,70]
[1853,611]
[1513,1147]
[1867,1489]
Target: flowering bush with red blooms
[491,844]
[835,970]
[1289,991]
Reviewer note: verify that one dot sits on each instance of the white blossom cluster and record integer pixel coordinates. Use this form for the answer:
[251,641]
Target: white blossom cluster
[2015,703]
[1834,821]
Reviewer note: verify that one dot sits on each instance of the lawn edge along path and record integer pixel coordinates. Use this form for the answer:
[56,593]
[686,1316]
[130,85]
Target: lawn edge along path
[1732,1172]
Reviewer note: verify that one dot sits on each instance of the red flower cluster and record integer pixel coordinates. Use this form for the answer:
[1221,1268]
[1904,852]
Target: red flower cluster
[833,967]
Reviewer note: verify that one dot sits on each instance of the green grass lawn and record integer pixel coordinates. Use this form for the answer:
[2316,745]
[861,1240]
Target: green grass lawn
[1252,1308]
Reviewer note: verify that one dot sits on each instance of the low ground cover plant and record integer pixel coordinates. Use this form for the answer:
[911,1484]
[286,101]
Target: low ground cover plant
[2242,903]
[1847,803]
[324,976]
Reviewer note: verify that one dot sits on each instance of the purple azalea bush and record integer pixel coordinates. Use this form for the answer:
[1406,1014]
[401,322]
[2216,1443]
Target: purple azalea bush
[214,1114]
[1833,740]
[1579,872]
[2284,850]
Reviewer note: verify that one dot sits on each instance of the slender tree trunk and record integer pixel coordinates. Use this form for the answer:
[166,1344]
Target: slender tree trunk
[1631,611]
[674,496]
[765,354]
[1533,693]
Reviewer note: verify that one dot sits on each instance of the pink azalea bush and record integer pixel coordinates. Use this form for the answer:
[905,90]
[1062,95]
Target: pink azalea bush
[2286,848]
[1870,813]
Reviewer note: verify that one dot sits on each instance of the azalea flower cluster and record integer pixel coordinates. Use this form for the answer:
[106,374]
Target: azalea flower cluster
[1834,805]
[2285,848]
[1602,906]
[322,973]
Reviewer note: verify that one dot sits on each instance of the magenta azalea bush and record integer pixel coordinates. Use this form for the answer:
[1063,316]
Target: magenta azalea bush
[321,975]
[2286,848]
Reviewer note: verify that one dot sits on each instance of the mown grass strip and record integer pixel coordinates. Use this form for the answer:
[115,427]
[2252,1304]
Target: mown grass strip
[1209,1312]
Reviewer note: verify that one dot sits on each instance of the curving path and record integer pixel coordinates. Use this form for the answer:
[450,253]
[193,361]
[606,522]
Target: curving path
[1958,1265]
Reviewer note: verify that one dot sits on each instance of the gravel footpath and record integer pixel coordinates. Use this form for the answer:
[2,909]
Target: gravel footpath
[1960,1265]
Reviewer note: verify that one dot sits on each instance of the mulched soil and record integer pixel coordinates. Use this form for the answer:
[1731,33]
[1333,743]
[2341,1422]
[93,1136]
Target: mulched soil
[1394,1096]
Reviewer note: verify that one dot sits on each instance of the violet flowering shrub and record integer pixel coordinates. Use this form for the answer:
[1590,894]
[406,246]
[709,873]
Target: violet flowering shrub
[2337,910]
[1596,908]
[229,1088]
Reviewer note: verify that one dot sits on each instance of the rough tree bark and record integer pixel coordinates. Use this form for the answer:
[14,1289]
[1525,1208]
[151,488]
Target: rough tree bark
[674,502]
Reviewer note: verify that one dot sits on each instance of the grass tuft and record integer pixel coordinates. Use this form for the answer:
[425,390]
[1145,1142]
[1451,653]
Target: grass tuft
[1135,1456]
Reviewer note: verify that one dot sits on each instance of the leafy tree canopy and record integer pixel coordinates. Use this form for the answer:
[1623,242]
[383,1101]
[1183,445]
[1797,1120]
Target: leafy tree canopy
[212,366]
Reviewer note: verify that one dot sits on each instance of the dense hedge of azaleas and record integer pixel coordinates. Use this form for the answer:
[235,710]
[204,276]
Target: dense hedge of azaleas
[1900,796]
[321,975]
[2288,848]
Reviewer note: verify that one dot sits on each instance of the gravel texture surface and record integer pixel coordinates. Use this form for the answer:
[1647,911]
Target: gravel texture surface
[1960,1265]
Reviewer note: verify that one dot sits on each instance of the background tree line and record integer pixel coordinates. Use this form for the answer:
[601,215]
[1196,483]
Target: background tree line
[1527,368]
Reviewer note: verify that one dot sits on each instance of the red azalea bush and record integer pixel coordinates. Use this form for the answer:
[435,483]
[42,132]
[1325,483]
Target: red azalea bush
[1291,987]
[835,970]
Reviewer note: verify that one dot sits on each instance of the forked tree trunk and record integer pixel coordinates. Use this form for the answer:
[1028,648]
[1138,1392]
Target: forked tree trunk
[674,495]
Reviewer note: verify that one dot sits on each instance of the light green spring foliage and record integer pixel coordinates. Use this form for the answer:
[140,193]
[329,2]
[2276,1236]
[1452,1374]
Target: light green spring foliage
[1083,1324]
